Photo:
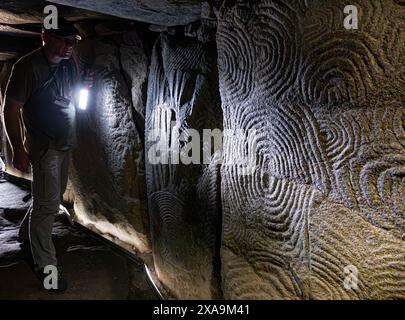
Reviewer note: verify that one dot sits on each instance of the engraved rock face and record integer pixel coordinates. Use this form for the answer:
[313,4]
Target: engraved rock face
[183,199]
[108,165]
[328,190]
[321,216]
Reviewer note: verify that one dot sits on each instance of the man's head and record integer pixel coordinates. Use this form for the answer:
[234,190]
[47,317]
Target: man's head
[61,41]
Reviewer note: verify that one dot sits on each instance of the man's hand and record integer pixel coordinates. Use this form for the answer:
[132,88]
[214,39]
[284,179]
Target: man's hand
[87,75]
[88,79]
[21,161]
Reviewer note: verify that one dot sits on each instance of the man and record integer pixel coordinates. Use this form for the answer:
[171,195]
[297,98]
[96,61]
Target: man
[42,86]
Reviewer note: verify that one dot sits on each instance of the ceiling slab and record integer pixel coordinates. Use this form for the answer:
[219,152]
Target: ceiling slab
[20,30]
[31,11]
[162,12]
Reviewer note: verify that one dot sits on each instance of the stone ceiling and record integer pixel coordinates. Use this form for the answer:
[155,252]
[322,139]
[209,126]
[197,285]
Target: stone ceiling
[23,18]
[161,12]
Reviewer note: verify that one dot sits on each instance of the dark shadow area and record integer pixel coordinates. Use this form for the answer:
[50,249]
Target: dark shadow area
[92,268]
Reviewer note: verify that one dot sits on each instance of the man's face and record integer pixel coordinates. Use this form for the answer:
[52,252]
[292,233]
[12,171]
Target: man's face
[59,46]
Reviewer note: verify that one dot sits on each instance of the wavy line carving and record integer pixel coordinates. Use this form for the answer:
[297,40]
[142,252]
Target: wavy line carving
[183,199]
[328,192]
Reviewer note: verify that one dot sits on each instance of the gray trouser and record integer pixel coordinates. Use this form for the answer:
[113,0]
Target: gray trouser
[49,180]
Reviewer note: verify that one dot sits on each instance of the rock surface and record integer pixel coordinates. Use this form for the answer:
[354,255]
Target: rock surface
[320,197]
[327,195]
[183,199]
[32,11]
[108,164]
[164,12]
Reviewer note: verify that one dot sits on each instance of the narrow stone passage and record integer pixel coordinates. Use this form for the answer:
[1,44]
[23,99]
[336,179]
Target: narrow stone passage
[226,149]
[93,270]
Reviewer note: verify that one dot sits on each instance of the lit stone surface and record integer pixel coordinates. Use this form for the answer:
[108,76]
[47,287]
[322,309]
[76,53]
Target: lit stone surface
[108,167]
[328,192]
[184,199]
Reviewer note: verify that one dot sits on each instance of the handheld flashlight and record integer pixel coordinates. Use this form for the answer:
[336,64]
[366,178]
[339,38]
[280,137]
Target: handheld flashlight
[83,98]
[84,92]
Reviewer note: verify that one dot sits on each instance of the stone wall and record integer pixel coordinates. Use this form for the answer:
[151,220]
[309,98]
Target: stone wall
[328,189]
[5,149]
[108,174]
[184,202]
[321,109]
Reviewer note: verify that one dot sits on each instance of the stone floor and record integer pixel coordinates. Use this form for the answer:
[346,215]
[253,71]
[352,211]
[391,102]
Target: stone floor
[93,269]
